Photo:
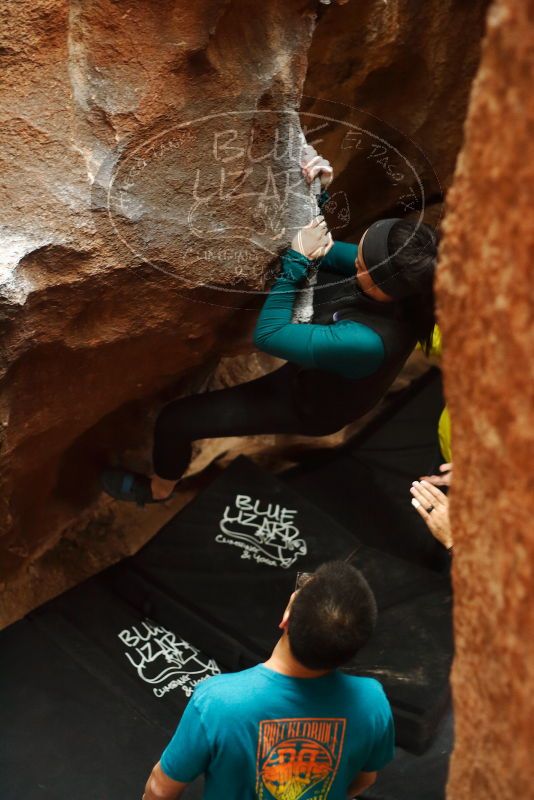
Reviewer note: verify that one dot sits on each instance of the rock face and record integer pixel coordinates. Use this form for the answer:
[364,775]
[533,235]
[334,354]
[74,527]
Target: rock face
[148,148]
[386,95]
[486,317]
[149,177]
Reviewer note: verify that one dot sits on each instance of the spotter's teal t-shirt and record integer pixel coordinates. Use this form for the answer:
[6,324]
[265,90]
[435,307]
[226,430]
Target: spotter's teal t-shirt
[261,735]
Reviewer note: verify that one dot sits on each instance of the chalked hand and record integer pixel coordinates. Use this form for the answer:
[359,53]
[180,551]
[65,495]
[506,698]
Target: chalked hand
[313,166]
[314,240]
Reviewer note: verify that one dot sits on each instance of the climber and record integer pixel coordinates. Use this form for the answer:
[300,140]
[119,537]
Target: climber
[370,305]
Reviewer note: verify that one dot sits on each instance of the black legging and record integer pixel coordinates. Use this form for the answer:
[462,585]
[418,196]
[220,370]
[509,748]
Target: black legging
[265,405]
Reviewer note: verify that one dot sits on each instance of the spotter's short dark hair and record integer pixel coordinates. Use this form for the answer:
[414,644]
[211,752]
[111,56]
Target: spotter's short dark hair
[331,617]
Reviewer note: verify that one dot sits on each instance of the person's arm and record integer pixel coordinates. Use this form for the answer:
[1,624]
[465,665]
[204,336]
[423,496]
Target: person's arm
[362,782]
[382,743]
[187,756]
[347,348]
[342,256]
[160,787]
[341,259]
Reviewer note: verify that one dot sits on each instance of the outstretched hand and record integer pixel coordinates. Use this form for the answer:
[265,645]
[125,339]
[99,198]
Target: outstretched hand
[444,479]
[433,506]
[314,240]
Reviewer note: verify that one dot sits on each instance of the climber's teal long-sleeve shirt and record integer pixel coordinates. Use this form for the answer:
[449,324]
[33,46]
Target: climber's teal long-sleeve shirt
[345,347]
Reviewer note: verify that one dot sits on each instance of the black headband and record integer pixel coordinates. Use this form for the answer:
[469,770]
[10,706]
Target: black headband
[377,259]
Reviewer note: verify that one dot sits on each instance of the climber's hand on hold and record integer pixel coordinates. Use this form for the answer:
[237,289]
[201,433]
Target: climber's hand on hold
[323,250]
[314,240]
[313,166]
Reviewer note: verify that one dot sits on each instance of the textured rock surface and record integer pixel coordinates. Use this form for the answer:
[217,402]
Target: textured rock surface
[486,315]
[113,210]
[389,84]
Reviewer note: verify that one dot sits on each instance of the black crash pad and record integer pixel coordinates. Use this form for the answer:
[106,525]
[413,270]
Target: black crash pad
[81,676]
[365,484]
[196,574]
[80,714]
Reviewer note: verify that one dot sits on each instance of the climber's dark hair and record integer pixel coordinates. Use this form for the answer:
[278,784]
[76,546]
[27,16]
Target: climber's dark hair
[414,249]
[331,617]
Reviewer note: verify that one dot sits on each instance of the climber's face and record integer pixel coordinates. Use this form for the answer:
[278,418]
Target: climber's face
[365,280]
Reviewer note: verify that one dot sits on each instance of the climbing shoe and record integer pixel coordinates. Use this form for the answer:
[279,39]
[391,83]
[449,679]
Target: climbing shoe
[129,486]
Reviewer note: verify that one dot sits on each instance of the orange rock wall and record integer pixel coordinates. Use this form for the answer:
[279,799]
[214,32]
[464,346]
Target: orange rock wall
[400,71]
[485,310]
[113,211]
[103,251]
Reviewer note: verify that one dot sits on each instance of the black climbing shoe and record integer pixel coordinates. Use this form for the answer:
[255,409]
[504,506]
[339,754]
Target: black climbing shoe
[129,486]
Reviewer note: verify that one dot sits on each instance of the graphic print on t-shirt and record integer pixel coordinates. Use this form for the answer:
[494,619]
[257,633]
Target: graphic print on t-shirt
[298,759]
